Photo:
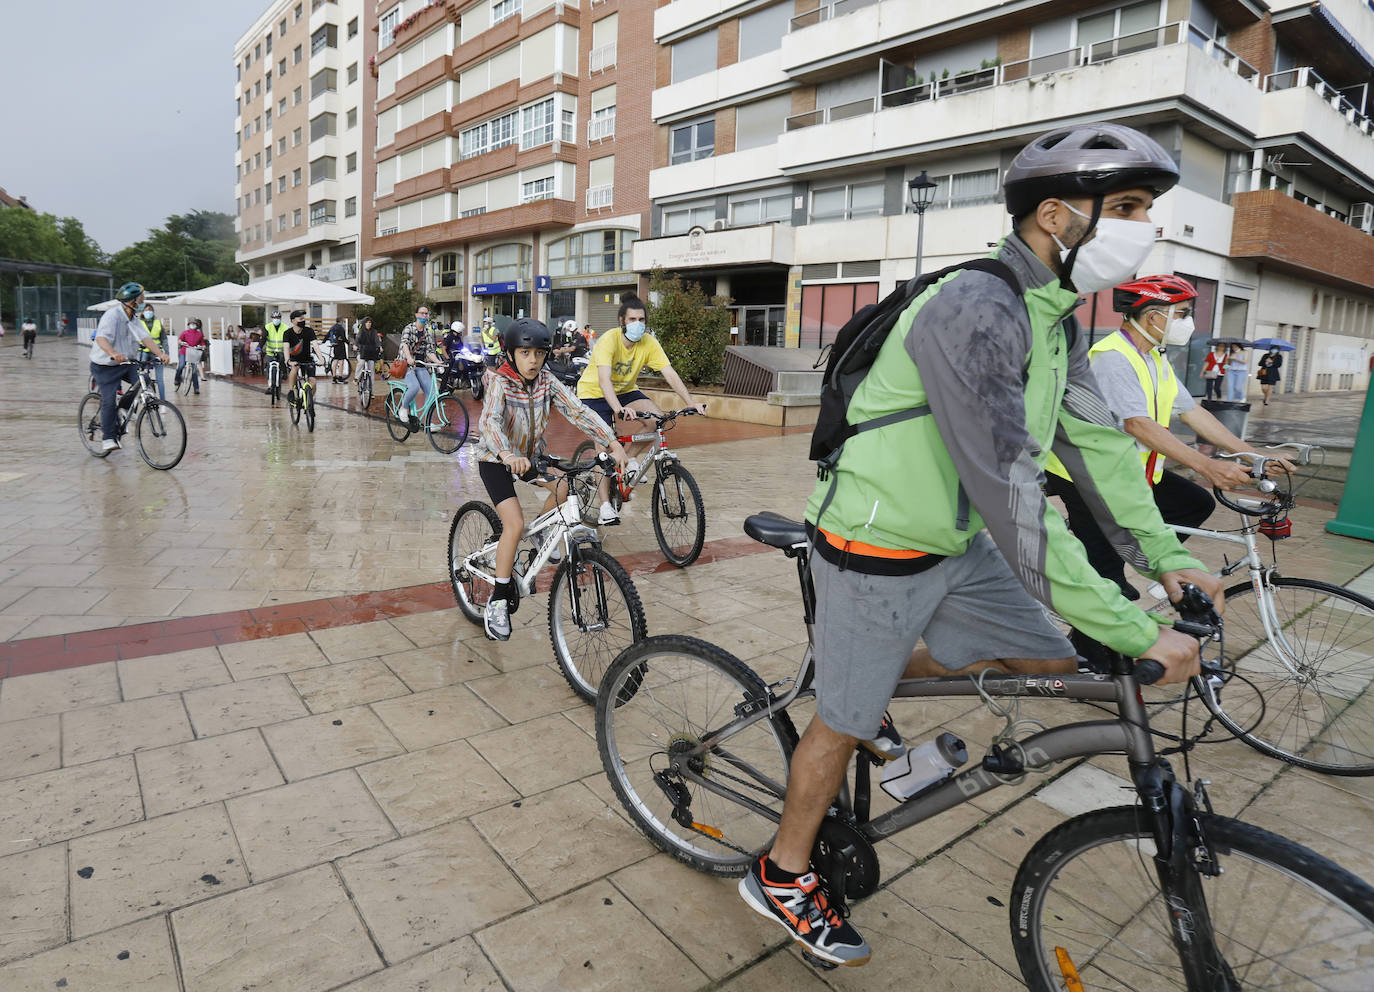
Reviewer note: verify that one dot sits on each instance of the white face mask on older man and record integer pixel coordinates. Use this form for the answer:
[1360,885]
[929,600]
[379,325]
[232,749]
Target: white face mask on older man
[1177,329]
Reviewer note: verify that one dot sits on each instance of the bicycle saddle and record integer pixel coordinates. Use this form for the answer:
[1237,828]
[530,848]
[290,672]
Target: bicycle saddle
[775,530]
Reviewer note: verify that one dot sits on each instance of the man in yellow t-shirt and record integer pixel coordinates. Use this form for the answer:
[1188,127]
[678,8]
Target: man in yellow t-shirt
[608,386]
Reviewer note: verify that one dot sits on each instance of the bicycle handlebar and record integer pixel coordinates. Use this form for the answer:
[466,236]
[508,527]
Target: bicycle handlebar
[1197,617]
[542,464]
[666,418]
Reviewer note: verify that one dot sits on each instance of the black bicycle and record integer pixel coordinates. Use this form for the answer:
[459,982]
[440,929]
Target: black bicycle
[1160,894]
[157,424]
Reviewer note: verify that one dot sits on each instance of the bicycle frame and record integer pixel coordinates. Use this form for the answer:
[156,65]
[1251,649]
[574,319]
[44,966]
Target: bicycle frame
[658,453]
[397,389]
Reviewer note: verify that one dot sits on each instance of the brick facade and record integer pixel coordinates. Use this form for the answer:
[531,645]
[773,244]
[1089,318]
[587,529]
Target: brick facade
[1273,227]
[1255,44]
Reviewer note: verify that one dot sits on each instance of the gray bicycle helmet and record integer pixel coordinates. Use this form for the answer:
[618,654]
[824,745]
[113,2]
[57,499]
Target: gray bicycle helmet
[1086,160]
[526,333]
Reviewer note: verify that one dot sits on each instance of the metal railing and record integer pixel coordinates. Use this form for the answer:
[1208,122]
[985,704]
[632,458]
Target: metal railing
[1176,33]
[601,128]
[827,12]
[1307,77]
[600,197]
[601,58]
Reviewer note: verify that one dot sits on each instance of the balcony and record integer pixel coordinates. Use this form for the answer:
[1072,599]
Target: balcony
[498,160]
[727,84]
[827,12]
[601,58]
[764,243]
[417,24]
[1300,101]
[422,78]
[433,126]
[526,217]
[716,172]
[409,189]
[601,128]
[1274,228]
[1156,67]
[600,197]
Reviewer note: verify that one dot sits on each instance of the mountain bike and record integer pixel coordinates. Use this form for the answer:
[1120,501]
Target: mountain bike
[1161,894]
[158,425]
[679,515]
[594,608]
[444,417]
[302,398]
[274,376]
[1297,663]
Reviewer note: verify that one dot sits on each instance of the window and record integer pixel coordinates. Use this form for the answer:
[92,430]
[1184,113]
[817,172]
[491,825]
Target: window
[322,169]
[350,206]
[536,124]
[281,28]
[296,217]
[569,128]
[682,219]
[281,184]
[267,155]
[503,263]
[497,133]
[257,89]
[281,106]
[473,212]
[325,36]
[296,55]
[966,189]
[444,270]
[267,43]
[267,82]
[281,68]
[257,51]
[295,137]
[501,9]
[257,196]
[825,309]
[847,202]
[353,27]
[257,160]
[760,209]
[353,73]
[352,117]
[298,12]
[295,177]
[590,253]
[323,125]
[351,163]
[267,119]
[538,189]
[322,212]
[281,145]
[267,190]
[693,141]
[602,124]
[387,26]
[762,31]
[324,81]
[695,56]
[238,106]
[759,123]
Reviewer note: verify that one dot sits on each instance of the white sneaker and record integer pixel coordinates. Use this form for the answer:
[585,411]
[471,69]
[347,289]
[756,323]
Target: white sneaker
[497,620]
[109,444]
[608,517]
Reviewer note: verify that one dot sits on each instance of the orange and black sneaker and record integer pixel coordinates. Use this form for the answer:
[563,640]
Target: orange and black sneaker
[887,744]
[802,909]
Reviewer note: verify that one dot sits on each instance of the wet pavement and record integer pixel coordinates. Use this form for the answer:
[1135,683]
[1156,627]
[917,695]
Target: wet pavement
[249,742]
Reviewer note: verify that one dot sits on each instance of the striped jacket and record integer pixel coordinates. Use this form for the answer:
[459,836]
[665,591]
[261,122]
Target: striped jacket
[515,416]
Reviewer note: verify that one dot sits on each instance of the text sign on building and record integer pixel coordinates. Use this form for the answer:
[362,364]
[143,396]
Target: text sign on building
[542,284]
[495,288]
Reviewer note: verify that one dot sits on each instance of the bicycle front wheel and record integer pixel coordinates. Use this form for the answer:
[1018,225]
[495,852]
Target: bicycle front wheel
[664,696]
[679,514]
[365,390]
[310,409]
[161,433]
[586,484]
[594,614]
[475,526]
[1087,900]
[293,404]
[1303,695]
[447,423]
[88,424]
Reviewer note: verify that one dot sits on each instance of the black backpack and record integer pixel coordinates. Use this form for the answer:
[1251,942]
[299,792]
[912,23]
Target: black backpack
[854,351]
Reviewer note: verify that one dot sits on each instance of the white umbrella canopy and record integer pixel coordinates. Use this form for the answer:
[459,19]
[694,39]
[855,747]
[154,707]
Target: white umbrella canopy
[225,292]
[292,288]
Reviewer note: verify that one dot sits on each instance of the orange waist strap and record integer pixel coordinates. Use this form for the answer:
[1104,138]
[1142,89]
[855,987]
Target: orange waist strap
[869,550]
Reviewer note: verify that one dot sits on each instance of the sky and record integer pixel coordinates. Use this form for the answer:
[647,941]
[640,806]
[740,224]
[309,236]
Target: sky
[120,114]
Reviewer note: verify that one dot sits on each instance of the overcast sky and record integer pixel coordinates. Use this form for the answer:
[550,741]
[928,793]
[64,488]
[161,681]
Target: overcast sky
[120,114]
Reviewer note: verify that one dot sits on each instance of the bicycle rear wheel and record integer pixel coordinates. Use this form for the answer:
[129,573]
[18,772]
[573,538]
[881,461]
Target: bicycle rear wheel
[679,514]
[161,433]
[474,527]
[398,429]
[447,424]
[1087,899]
[609,617]
[88,424]
[1306,696]
[664,696]
[274,383]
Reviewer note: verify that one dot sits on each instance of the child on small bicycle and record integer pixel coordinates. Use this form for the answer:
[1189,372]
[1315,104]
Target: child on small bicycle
[515,415]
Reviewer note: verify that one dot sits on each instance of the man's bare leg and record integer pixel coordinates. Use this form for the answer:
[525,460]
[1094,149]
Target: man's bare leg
[921,665]
[818,768]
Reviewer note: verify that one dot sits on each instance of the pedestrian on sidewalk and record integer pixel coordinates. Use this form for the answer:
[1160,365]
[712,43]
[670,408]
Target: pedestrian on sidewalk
[1214,370]
[1237,368]
[1269,372]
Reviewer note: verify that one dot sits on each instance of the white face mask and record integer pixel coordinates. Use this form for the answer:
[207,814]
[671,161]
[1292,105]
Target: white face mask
[1113,256]
[1177,331]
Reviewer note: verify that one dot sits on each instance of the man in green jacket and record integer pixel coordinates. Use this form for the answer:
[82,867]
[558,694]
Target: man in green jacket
[900,549]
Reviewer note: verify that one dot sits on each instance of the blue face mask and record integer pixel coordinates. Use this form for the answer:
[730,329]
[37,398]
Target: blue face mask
[634,330]
[422,321]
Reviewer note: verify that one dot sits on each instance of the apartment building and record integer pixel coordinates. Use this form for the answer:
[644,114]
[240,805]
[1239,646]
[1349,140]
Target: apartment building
[513,146]
[787,134]
[301,112]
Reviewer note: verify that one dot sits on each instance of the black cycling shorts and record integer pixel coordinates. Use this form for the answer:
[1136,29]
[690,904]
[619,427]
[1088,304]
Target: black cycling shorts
[500,482]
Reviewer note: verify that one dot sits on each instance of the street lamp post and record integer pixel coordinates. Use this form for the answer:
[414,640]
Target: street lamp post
[922,196]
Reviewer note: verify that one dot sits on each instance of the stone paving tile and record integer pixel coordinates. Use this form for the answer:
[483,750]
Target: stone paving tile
[52,806]
[133,958]
[783,970]
[306,823]
[290,653]
[348,683]
[363,640]
[314,745]
[205,771]
[563,753]
[429,888]
[299,933]
[126,600]
[437,716]
[456,966]
[33,901]
[590,939]
[119,728]
[133,871]
[56,692]
[30,746]
[181,670]
[215,600]
[591,840]
[437,666]
[38,601]
[255,702]
[527,693]
[426,788]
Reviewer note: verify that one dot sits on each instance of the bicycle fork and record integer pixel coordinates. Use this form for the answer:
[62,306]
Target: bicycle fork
[598,591]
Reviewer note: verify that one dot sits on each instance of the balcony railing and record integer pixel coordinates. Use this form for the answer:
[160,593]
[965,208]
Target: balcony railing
[902,87]
[601,128]
[828,11]
[1306,76]
[600,197]
[601,58]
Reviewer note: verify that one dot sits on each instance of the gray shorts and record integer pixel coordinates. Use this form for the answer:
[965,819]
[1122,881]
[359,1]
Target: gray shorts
[968,608]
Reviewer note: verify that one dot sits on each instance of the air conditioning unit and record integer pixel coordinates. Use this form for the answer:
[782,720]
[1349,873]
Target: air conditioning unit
[1362,216]
[719,224]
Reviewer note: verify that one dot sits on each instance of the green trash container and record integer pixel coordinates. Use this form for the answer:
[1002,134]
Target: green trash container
[1355,518]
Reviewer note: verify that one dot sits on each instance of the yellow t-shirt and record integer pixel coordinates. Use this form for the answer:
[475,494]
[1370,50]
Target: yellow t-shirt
[625,363]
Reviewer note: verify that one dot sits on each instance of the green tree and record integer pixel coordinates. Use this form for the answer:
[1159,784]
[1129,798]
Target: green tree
[692,327]
[38,237]
[190,251]
[395,306]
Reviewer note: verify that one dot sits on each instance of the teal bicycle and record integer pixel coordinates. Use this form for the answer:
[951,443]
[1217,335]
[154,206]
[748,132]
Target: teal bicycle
[444,416]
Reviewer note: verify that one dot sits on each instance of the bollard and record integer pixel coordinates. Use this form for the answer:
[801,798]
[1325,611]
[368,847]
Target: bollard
[1355,518]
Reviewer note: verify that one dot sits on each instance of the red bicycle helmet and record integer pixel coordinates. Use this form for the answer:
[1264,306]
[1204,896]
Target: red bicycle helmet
[1151,291]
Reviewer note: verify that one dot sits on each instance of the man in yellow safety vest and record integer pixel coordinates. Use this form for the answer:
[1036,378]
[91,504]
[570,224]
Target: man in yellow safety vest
[274,348]
[152,327]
